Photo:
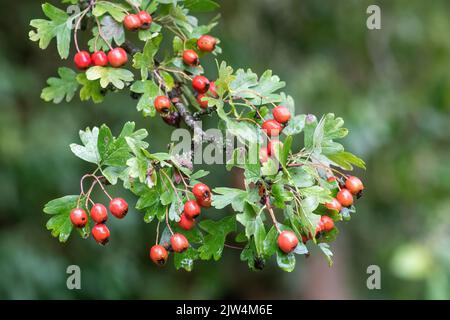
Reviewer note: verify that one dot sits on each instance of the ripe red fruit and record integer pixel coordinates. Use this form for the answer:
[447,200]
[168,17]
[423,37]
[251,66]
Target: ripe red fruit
[202,102]
[206,43]
[82,60]
[99,213]
[179,242]
[190,57]
[118,207]
[354,185]
[203,194]
[99,58]
[332,179]
[117,57]
[263,154]
[159,255]
[272,128]
[334,205]
[281,114]
[162,104]
[327,223]
[205,203]
[132,22]
[191,209]
[100,232]
[185,222]
[287,241]
[273,146]
[78,217]
[345,197]
[146,19]
[200,84]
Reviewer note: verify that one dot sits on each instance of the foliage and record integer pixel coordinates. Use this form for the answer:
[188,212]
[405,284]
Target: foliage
[289,190]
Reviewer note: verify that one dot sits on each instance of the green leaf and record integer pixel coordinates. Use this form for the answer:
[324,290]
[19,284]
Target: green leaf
[201,5]
[261,93]
[149,91]
[116,10]
[280,195]
[185,260]
[59,224]
[215,239]
[88,151]
[111,31]
[90,89]
[286,262]
[145,60]
[295,125]
[63,87]
[270,242]
[325,247]
[300,177]
[59,26]
[346,160]
[108,75]
[116,151]
[226,196]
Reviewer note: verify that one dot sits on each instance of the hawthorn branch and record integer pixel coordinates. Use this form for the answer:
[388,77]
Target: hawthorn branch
[272,214]
[175,95]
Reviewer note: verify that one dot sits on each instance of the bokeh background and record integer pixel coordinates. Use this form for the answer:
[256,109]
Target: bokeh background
[392,86]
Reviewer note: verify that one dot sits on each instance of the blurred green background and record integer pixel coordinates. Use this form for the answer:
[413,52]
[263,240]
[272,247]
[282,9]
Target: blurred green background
[392,86]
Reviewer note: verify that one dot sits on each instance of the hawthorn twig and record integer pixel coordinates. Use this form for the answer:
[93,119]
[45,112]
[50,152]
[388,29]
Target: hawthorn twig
[272,214]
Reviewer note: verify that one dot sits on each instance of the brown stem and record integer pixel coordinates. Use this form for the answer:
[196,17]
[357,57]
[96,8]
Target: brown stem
[272,214]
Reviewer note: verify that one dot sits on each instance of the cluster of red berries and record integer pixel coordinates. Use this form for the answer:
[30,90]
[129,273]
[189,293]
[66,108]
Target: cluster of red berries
[344,198]
[178,242]
[116,57]
[273,128]
[141,20]
[288,241]
[118,208]
[205,43]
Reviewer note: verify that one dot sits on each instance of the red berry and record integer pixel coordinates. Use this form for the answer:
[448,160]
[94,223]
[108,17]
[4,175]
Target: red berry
[146,19]
[281,114]
[99,58]
[263,154]
[205,203]
[332,179]
[272,128]
[345,197]
[327,223]
[179,242]
[100,232]
[191,209]
[287,241]
[117,57]
[212,89]
[354,185]
[82,60]
[162,104]
[334,205]
[206,43]
[202,102]
[99,213]
[200,84]
[186,223]
[190,57]
[273,146]
[118,207]
[132,22]
[78,217]
[159,255]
